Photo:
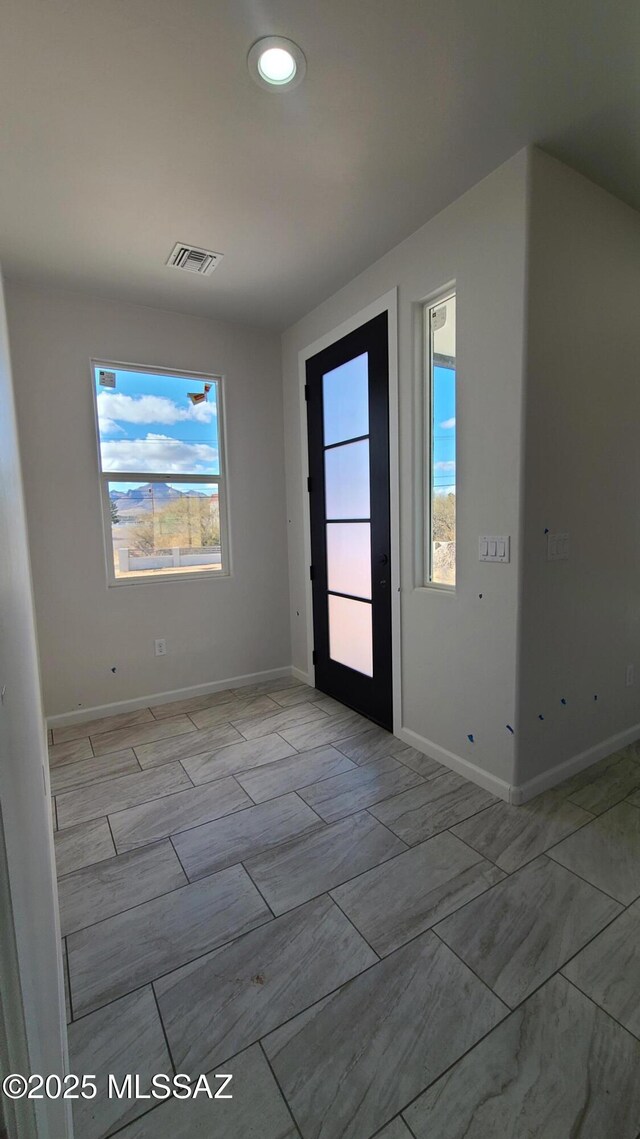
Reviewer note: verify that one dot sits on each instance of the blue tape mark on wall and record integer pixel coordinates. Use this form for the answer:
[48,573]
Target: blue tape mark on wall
[595,697]
[563,701]
[510,729]
[470,738]
[540,716]
[546,529]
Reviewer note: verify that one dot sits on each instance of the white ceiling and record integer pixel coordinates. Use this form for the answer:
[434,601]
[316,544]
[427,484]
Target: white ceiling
[128,125]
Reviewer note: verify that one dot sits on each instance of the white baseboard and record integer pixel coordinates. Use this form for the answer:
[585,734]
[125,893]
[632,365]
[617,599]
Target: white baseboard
[548,779]
[302,676]
[81,714]
[457,763]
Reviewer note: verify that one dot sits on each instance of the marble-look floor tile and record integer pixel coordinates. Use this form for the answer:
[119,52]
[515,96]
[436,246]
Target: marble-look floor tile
[71,752]
[298,695]
[193,743]
[125,1037]
[524,929]
[293,772]
[266,687]
[590,774]
[606,852]
[557,1067]
[148,822]
[124,952]
[97,892]
[348,1065]
[235,758]
[334,707]
[91,771]
[145,733]
[83,844]
[91,802]
[434,806]
[192,704]
[417,761]
[397,1129]
[233,710]
[227,1000]
[610,787]
[103,724]
[237,837]
[345,794]
[304,737]
[257,1110]
[512,836]
[372,743]
[308,866]
[608,970]
[408,894]
[252,727]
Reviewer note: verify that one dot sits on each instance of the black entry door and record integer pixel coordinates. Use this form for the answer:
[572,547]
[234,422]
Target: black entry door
[348,424]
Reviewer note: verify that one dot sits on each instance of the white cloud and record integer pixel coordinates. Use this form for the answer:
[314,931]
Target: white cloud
[151,409]
[448,423]
[159,454]
[109,427]
[449,465]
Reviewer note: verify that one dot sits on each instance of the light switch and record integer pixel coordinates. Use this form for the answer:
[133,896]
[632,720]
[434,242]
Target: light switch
[493,548]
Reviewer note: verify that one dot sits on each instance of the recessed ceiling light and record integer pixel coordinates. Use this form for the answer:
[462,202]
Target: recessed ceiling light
[276,63]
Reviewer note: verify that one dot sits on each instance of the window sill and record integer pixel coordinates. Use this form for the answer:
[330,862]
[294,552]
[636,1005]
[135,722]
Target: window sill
[164,578]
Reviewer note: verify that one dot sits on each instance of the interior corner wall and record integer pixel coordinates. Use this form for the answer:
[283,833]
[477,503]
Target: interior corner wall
[31,981]
[581,617]
[458,666]
[215,628]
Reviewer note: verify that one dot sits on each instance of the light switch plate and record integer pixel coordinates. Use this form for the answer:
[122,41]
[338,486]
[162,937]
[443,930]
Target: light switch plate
[494,548]
[557,547]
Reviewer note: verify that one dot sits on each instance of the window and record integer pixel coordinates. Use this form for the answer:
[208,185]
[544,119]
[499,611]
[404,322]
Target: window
[440,340]
[162,473]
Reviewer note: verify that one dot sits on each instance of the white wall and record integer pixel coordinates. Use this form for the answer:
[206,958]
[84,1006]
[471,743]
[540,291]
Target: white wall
[215,629]
[459,651]
[580,618]
[24,800]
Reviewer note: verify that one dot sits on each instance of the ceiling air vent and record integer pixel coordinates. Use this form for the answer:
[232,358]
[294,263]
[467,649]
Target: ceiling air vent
[193,259]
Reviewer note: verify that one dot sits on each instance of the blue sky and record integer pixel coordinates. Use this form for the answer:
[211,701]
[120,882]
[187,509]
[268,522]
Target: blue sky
[444,429]
[148,423]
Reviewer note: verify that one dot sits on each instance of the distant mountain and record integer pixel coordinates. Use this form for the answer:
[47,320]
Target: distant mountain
[149,496]
[157,491]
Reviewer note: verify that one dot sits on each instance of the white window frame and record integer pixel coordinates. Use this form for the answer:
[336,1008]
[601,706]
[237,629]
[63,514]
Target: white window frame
[427,354]
[220,479]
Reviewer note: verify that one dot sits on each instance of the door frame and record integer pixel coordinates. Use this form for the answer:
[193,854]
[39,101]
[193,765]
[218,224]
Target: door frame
[388,303]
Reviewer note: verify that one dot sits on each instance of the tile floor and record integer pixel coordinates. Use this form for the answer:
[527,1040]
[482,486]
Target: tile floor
[260,882]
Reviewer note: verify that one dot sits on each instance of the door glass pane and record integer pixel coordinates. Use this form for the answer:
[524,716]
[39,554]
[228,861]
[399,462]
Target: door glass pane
[349,558]
[345,395]
[351,633]
[347,480]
